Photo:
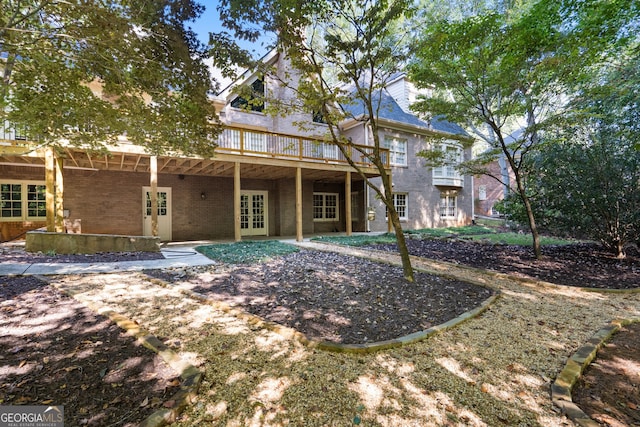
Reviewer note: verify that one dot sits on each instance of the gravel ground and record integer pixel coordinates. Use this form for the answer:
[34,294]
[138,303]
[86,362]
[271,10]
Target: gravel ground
[54,350]
[494,370]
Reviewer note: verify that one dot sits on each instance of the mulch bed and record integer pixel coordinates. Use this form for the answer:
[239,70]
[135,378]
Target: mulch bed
[337,298]
[582,265]
[609,389]
[16,254]
[55,351]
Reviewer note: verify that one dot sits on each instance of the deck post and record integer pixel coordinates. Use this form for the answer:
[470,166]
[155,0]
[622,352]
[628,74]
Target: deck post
[153,171]
[347,204]
[59,195]
[389,224]
[299,236]
[237,230]
[50,188]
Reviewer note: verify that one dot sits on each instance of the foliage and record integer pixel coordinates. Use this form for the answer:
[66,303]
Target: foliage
[246,252]
[343,53]
[475,233]
[519,239]
[89,71]
[358,240]
[594,178]
[498,72]
[467,230]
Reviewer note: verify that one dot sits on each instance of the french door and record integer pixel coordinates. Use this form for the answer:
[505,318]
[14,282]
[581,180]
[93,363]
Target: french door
[164,212]
[253,213]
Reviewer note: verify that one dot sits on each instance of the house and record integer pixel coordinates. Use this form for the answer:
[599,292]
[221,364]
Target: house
[495,184]
[269,177]
[424,197]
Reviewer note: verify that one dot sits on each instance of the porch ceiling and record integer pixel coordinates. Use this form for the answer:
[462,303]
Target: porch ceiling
[220,166]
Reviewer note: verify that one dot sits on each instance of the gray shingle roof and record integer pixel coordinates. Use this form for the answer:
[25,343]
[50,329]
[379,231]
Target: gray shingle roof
[391,110]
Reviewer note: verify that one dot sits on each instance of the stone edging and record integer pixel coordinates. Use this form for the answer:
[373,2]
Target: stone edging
[327,345]
[407,339]
[190,376]
[577,363]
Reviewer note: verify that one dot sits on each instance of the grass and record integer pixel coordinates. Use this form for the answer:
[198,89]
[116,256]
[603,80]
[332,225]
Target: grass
[364,240]
[471,232]
[246,252]
[259,251]
[519,239]
[468,230]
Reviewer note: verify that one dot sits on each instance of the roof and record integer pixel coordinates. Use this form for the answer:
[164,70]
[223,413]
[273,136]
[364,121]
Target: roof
[391,110]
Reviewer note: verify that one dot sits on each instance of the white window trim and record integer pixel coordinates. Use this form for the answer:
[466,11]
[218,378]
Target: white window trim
[449,171]
[23,198]
[324,207]
[395,205]
[444,208]
[392,143]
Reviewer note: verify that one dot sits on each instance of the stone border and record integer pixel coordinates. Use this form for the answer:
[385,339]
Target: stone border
[289,333]
[190,376]
[408,339]
[577,363]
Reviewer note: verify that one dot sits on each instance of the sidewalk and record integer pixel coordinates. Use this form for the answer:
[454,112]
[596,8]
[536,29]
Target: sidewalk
[174,256]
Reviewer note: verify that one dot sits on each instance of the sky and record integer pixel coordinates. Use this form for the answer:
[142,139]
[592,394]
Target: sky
[208,22]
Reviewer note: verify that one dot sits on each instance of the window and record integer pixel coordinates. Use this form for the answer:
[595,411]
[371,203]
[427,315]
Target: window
[400,204]
[397,149]
[452,157]
[448,203]
[482,192]
[325,206]
[21,201]
[318,117]
[255,100]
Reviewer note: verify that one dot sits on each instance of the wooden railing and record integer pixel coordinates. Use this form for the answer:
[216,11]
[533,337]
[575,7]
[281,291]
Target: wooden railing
[234,140]
[11,132]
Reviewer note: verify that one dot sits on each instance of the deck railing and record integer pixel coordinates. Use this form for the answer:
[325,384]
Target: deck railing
[234,140]
[11,132]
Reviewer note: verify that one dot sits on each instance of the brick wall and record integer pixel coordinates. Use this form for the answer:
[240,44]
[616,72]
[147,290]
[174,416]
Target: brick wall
[416,180]
[108,202]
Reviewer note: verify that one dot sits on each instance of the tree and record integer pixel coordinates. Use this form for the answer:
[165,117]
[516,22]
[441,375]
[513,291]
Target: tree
[85,72]
[594,177]
[503,72]
[489,75]
[588,180]
[345,53]
[147,68]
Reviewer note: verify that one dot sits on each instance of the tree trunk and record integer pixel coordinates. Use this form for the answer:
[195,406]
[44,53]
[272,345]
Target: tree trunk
[407,268]
[532,225]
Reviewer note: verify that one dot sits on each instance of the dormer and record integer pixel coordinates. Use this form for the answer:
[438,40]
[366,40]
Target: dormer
[404,92]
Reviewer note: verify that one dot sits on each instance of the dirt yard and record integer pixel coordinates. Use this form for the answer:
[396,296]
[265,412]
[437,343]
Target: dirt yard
[54,350]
